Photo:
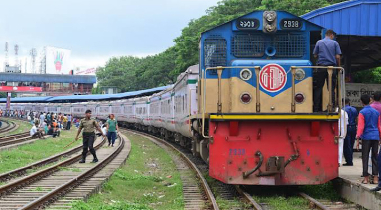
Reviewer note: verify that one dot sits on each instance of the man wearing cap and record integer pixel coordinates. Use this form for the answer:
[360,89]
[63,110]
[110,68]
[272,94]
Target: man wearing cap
[88,125]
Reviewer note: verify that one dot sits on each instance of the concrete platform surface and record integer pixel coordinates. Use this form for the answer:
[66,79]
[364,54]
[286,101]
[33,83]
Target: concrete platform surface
[350,187]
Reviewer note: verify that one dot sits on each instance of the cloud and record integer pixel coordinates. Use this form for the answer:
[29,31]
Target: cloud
[95,29]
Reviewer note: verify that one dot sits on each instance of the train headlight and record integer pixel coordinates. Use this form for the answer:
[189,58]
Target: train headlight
[300,74]
[270,16]
[245,98]
[245,74]
[299,98]
[269,21]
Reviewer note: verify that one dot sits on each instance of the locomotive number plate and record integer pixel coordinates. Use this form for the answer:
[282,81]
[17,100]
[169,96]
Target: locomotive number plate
[237,151]
[247,24]
[290,24]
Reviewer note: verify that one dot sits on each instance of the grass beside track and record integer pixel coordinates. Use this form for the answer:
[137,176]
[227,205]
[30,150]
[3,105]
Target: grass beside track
[40,149]
[23,127]
[149,180]
[285,197]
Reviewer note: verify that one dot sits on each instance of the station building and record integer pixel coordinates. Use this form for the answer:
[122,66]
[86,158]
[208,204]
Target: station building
[46,84]
[358,27]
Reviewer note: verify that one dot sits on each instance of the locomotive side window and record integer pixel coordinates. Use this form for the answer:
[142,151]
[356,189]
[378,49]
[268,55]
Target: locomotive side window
[215,51]
[247,45]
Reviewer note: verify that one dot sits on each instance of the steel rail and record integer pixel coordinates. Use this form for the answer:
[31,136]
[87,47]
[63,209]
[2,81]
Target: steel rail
[58,191]
[10,126]
[40,174]
[204,183]
[16,141]
[5,125]
[55,158]
[248,198]
[314,201]
[14,136]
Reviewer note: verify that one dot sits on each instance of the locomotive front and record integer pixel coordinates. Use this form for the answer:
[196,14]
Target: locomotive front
[256,124]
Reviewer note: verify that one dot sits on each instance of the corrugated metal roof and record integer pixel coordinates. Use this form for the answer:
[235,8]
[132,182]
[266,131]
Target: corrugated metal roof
[54,78]
[27,99]
[94,97]
[356,17]
[106,96]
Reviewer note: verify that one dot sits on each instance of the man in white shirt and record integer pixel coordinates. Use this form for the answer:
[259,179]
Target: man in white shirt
[343,122]
[35,132]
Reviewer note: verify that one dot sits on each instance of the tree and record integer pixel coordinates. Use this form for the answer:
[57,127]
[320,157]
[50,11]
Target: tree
[4,95]
[371,76]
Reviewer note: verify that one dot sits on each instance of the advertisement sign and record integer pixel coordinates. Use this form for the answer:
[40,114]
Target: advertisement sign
[355,90]
[85,71]
[57,60]
[20,89]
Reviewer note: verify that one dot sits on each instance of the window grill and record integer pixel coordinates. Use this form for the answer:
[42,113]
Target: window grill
[215,51]
[289,45]
[248,45]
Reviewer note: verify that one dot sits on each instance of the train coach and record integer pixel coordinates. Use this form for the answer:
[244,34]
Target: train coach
[247,108]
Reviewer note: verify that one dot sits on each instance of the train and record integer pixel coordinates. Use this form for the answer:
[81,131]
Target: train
[247,108]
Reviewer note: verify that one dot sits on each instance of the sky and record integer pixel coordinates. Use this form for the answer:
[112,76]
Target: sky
[95,30]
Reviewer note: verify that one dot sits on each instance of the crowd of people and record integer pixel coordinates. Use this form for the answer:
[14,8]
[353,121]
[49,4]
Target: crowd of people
[43,123]
[366,132]
[50,123]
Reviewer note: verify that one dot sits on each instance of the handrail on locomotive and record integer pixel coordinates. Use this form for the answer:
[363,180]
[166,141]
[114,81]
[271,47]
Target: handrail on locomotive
[340,88]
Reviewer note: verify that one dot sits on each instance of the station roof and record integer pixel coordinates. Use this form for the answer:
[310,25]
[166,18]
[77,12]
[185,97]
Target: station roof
[356,17]
[79,98]
[50,78]
[27,99]
[358,26]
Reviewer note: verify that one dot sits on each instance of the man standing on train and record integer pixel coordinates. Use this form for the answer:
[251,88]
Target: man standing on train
[328,52]
[88,125]
[349,140]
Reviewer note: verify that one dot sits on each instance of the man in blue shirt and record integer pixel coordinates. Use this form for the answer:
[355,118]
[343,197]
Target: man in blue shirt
[328,52]
[349,140]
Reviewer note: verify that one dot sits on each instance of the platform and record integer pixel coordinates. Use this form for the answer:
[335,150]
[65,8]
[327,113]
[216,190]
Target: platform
[350,187]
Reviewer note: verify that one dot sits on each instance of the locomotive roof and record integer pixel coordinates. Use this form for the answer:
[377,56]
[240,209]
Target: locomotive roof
[262,11]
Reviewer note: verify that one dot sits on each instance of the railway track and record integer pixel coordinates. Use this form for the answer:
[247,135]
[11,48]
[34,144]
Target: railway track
[6,177]
[327,204]
[45,188]
[7,126]
[196,191]
[14,139]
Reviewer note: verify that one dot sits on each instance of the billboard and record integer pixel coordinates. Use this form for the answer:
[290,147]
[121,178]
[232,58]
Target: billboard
[57,60]
[20,89]
[85,71]
[355,90]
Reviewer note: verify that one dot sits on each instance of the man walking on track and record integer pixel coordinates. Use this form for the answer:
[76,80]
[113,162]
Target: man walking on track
[112,128]
[88,125]
[349,140]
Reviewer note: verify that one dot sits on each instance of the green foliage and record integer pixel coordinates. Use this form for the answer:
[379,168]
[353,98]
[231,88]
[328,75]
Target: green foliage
[371,76]
[81,205]
[131,73]
[4,95]
[96,90]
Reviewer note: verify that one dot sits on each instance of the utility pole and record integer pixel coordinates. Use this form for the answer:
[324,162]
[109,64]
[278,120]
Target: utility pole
[17,56]
[6,62]
[33,54]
